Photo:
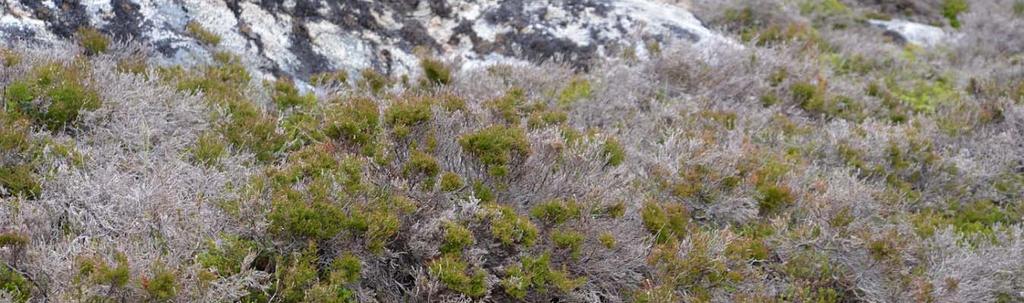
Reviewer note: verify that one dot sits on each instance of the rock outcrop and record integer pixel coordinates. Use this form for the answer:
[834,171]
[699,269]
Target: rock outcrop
[911,32]
[302,37]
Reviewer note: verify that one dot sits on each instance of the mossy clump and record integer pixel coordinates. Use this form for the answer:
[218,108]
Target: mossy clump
[537,274]
[451,271]
[568,239]
[374,81]
[451,182]
[200,33]
[556,211]
[435,72]
[422,164]
[456,238]
[510,228]
[162,286]
[356,122]
[20,180]
[406,114]
[577,89]
[209,149]
[951,9]
[773,198]
[63,86]
[15,285]
[607,239]
[93,41]
[667,221]
[286,95]
[614,152]
[497,146]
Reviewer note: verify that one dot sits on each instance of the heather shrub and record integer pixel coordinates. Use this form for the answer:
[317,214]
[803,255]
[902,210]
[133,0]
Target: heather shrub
[535,275]
[510,228]
[556,211]
[14,285]
[435,72]
[355,122]
[451,182]
[200,33]
[62,86]
[452,272]
[93,40]
[404,115]
[497,147]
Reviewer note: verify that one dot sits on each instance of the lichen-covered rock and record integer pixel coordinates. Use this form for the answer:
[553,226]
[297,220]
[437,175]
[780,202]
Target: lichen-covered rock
[911,32]
[303,37]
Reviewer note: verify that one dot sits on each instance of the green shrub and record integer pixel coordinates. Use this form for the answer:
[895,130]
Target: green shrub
[62,86]
[451,271]
[510,228]
[14,284]
[296,274]
[435,72]
[748,250]
[1018,8]
[346,269]
[951,9]
[607,239]
[536,273]
[577,89]
[162,286]
[383,226]
[98,271]
[483,192]
[496,147]
[809,96]
[356,122]
[422,164]
[773,198]
[374,81]
[20,180]
[319,220]
[614,152]
[456,238]
[404,115]
[225,256]
[508,107]
[12,239]
[571,240]
[93,40]
[556,211]
[451,182]
[209,149]
[204,36]
[666,221]
[286,95]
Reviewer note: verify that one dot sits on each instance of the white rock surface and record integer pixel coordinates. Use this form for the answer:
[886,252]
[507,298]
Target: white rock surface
[302,37]
[912,32]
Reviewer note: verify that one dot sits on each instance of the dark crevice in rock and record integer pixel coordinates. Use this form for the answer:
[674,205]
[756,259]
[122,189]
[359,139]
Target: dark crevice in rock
[69,16]
[127,21]
[311,61]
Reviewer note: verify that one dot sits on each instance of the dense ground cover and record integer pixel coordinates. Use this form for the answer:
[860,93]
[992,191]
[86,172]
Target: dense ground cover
[819,162]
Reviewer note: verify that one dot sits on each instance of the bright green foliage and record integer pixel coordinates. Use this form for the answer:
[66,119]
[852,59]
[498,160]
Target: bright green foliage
[496,147]
[951,9]
[451,182]
[483,192]
[969,219]
[435,72]
[773,198]
[63,86]
[162,286]
[383,226]
[346,269]
[204,36]
[925,96]
[295,274]
[355,122]
[308,219]
[14,284]
[809,96]
[556,211]
[422,164]
[209,149]
[510,228]
[225,258]
[607,239]
[508,107]
[578,88]
[93,40]
[286,95]
[667,221]
[20,180]
[98,271]
[536,274]
[571,240]
[614,152]
[451,271]
[539,119]
[405,114]
[456,238]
